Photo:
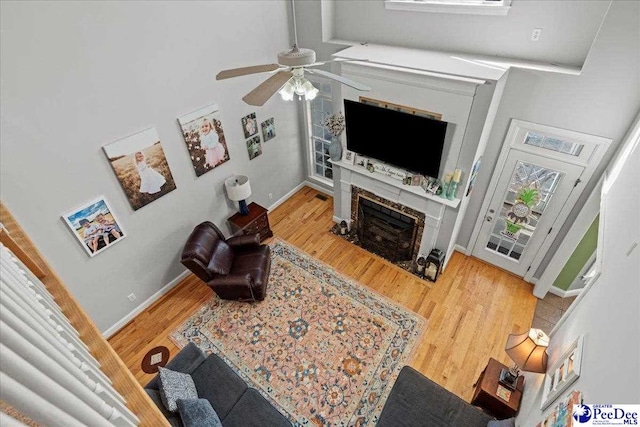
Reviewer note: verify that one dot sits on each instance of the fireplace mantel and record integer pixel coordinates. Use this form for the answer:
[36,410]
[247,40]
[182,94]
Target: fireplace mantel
[393,190]
[413,189]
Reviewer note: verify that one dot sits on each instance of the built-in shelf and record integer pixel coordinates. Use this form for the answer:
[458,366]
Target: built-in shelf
[414,189]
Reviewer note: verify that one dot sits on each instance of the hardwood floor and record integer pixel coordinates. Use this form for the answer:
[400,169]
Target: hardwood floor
[471,309]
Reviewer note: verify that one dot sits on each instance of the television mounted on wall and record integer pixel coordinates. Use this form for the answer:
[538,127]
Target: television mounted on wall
[405,140]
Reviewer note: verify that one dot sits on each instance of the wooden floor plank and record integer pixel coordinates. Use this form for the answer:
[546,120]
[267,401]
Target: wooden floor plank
[471,309]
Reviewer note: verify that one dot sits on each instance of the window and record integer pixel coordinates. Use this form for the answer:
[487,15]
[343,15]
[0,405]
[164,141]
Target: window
[477,7]
[319,137]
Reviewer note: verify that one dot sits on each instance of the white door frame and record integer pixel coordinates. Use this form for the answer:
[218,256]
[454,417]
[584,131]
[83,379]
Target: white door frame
[590,157]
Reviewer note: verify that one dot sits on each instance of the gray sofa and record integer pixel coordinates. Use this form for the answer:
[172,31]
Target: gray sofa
[235,403]
[416,401]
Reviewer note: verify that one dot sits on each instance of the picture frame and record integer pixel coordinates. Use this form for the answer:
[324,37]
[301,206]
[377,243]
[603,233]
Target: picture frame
[268,130]
[254,147]
[141,167]
[249,125]
[563,373]
[349,157]
[204,138]
[95,226]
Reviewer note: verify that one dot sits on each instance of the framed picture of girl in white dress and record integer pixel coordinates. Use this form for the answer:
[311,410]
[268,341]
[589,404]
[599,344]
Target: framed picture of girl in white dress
[203,134]
[95,226]
[141,167]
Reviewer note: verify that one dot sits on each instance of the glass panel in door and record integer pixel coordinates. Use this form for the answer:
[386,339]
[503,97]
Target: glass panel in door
[529,192]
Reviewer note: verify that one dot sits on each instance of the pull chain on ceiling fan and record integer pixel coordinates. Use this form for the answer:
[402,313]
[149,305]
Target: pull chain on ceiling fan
[289,72]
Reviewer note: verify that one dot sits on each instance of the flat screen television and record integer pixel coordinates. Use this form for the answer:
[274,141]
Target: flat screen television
[404,140]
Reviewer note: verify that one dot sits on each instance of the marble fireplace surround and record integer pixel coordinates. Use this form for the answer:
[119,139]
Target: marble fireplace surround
[419,217]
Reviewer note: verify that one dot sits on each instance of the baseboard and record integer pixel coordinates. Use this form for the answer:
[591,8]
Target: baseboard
[564,294]
[286,197]
[320,188]
[146,303]
[460,249]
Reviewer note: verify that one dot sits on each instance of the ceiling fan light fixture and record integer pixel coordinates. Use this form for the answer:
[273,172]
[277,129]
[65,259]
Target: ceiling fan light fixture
[311,94]
[287,91]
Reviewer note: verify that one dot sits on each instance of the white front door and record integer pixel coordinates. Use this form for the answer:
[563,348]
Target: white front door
[530,194]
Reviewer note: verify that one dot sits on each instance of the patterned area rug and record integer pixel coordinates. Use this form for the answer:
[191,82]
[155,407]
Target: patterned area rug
[322,348]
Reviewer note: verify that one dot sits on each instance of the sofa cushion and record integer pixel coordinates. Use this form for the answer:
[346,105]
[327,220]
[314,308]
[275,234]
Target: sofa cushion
[253,410]
[173,418]
[188,359]
[174,386]
[216,382]
[221,258]
[416,401]
[510,422]
[198,413]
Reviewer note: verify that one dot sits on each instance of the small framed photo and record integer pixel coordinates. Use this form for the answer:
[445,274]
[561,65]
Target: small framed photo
[249,125]
[95,226]
[254,147]
[268,129]
[433,186]
[349,157]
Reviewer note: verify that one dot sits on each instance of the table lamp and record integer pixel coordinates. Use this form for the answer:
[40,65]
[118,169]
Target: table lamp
[529,353]
[238,190]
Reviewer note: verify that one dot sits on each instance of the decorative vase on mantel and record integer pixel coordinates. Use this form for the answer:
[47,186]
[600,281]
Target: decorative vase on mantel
[335,149]
[335,125]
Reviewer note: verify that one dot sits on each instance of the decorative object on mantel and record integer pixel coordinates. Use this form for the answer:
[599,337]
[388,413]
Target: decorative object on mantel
[446,184]
[238,190]
[529,353]
[349,157]
[434,263]
[453,185]
[335,125]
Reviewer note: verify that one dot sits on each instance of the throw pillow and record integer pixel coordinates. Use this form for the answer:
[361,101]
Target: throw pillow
[175,385]
[198,413]
[511,422]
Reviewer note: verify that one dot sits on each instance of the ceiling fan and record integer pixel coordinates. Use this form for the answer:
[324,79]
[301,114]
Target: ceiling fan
[289,74]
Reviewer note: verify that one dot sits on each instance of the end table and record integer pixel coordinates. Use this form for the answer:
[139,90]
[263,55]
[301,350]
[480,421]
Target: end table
[256,222]
[485,394]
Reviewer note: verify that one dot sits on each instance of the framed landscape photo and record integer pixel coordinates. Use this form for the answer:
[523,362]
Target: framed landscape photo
[95,226]
[204,137]
[268,130]
[141,167]
[249,125]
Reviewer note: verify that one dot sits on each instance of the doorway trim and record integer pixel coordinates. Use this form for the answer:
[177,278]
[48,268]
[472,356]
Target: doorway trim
[590,157]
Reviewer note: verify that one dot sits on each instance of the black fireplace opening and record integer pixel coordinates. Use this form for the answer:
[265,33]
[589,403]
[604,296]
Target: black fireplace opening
[386,232]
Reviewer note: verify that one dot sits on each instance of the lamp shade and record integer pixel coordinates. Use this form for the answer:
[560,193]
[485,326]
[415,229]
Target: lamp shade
[238,187]
[529,350]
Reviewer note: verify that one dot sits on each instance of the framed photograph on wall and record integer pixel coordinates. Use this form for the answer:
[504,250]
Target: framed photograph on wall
[563,373]
[249,125]
[254,147]
[95,226]
[141,167]
[268,130]
[204,137]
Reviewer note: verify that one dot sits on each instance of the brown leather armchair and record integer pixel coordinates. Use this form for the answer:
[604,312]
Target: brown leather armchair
[236,268]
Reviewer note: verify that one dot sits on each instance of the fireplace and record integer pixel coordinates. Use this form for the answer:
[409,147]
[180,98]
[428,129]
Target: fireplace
[386,228]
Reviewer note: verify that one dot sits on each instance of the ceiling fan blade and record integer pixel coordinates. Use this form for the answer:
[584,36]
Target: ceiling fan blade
[343,80]
[266,89]
[236,72]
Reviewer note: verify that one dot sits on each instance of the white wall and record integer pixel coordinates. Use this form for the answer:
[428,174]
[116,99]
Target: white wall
[608,315]
[569,28]
[601,101]
[76,76]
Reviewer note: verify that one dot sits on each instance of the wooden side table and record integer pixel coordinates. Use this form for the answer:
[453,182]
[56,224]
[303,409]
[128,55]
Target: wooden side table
[256,222]
[485,393]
